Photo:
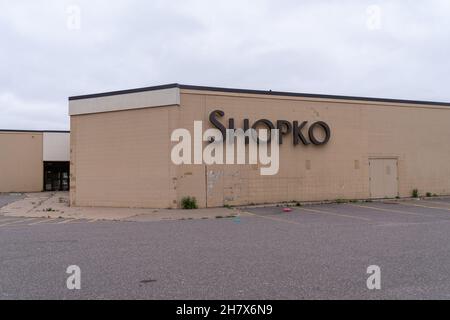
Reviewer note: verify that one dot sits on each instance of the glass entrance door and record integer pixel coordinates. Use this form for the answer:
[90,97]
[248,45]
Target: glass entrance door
[56,176]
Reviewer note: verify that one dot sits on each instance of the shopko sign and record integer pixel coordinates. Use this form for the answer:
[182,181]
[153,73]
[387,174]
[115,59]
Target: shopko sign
[298,129]
[228,145]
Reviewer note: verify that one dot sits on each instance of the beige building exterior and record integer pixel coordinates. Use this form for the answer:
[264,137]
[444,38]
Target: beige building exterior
[378,148]
[21,165]
[29,160]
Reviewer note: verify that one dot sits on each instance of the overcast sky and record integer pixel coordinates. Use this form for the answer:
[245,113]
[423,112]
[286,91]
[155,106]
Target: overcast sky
[54,49]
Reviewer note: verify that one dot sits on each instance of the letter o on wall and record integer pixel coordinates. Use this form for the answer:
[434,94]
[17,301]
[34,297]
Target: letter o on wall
[268,124]
[325,128]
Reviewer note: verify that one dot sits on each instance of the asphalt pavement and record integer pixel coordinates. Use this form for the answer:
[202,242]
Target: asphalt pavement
[7,198]
[313,252]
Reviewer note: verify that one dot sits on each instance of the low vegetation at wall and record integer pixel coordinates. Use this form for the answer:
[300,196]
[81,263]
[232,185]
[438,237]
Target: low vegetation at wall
[189,203]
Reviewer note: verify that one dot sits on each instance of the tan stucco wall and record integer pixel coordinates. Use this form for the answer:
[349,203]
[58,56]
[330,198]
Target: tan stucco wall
[21,164]
[123,158]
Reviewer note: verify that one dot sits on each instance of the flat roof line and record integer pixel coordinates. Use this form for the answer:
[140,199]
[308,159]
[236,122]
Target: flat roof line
[261,92]
[115,93]
[38,131]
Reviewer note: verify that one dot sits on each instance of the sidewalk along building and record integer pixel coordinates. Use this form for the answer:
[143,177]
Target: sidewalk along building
[34,161]
[333,147]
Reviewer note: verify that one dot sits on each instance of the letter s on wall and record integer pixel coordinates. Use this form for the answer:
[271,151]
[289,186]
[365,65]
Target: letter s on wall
[216,123]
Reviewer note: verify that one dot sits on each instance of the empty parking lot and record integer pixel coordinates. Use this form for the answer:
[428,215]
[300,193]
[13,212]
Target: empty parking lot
[313,252]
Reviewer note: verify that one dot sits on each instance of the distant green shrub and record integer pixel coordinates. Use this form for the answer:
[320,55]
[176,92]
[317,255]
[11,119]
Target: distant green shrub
[429,194]
[415,193]
[189,203]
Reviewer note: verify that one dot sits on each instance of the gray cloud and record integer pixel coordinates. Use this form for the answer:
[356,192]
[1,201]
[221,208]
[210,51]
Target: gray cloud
[330,47]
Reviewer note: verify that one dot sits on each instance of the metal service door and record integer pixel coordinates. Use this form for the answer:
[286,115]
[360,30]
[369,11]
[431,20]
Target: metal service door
[383,178]
[214,186]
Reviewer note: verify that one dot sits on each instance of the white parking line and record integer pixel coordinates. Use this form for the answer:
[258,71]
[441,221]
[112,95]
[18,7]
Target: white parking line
[423,206]
[42,221]
[388,210]
[8,219]
[308,211]
[16,221]
[272,218]
[336,214]
[68,221]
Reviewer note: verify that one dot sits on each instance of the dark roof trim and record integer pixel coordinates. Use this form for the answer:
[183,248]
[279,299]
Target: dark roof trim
[34,131]
[263,92]
[115,93]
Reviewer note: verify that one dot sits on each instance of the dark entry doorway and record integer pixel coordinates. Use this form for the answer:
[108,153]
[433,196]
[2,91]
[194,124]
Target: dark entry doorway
[56,176]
